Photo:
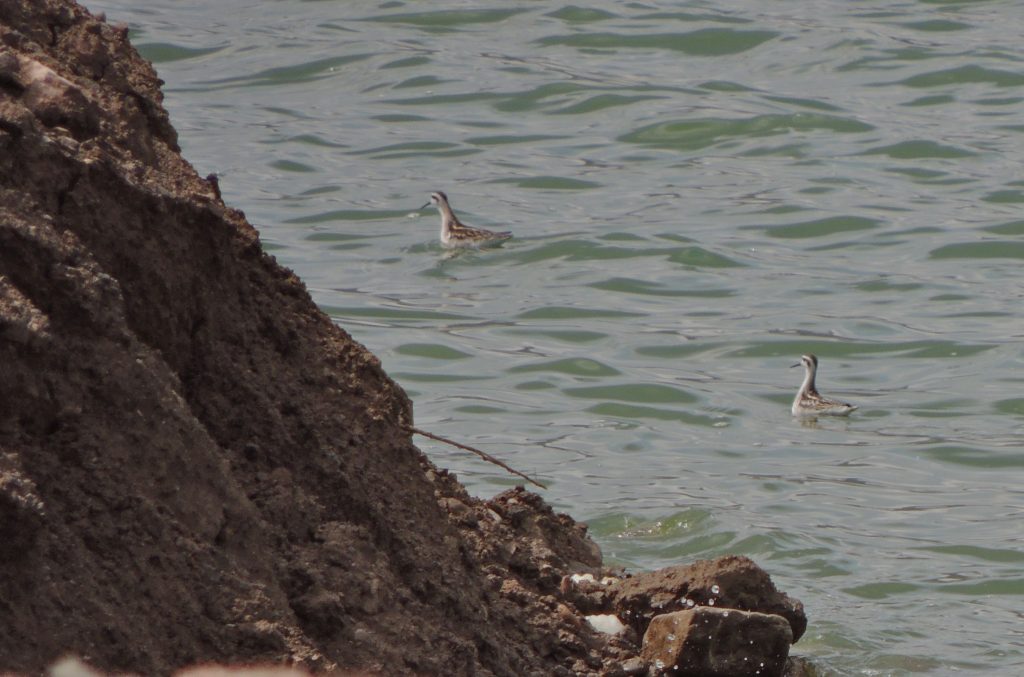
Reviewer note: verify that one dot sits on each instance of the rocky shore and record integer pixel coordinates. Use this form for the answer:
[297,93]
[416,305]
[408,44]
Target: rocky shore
[197,465]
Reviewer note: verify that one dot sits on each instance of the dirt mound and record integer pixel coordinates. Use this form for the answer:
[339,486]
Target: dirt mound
[195,463]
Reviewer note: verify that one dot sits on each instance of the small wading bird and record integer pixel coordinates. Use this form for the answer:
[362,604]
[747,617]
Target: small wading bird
[455,233]
[808,401]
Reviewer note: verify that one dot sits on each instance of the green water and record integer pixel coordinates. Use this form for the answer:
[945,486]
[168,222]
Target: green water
[700,192]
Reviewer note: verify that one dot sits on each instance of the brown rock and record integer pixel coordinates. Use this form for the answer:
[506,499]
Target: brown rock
[798,666]
[711,642]
[22,513]
[732,582]
[633,667]
[56,101]
[588,593]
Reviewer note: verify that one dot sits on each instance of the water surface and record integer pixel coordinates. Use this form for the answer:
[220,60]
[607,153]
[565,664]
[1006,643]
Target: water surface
[700,193]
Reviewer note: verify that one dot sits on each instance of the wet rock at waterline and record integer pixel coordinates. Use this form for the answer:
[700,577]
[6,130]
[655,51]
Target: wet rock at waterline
[713,642]
[713,617]
[732,582]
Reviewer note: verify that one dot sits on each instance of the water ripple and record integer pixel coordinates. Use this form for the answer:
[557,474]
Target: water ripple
[703,42]
[699,194]
[696,134]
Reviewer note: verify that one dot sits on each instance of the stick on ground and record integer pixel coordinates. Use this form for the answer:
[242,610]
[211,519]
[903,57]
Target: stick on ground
[484,455]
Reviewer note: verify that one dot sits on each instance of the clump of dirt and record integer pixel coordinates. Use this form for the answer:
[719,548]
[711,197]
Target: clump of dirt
[196,464]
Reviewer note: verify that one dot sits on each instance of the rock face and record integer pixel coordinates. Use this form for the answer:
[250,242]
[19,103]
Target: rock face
[195,463]
[710,642]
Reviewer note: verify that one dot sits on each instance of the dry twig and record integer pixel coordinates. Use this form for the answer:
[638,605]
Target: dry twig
[484,455]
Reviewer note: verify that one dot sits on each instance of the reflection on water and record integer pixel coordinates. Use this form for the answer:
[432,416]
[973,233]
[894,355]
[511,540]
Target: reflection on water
[699,195]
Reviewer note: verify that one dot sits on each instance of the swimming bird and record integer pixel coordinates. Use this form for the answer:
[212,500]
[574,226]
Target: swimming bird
[455,233]
[808,401]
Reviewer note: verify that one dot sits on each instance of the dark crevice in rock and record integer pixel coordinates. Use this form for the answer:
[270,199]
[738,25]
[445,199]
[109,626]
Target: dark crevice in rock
[12,129]
[10,83]
[66,191]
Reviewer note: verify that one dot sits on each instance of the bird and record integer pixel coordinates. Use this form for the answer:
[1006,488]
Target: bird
[808,401]
[455,233]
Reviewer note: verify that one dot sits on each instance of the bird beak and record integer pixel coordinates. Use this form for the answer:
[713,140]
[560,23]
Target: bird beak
[423,207]
[794,365]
